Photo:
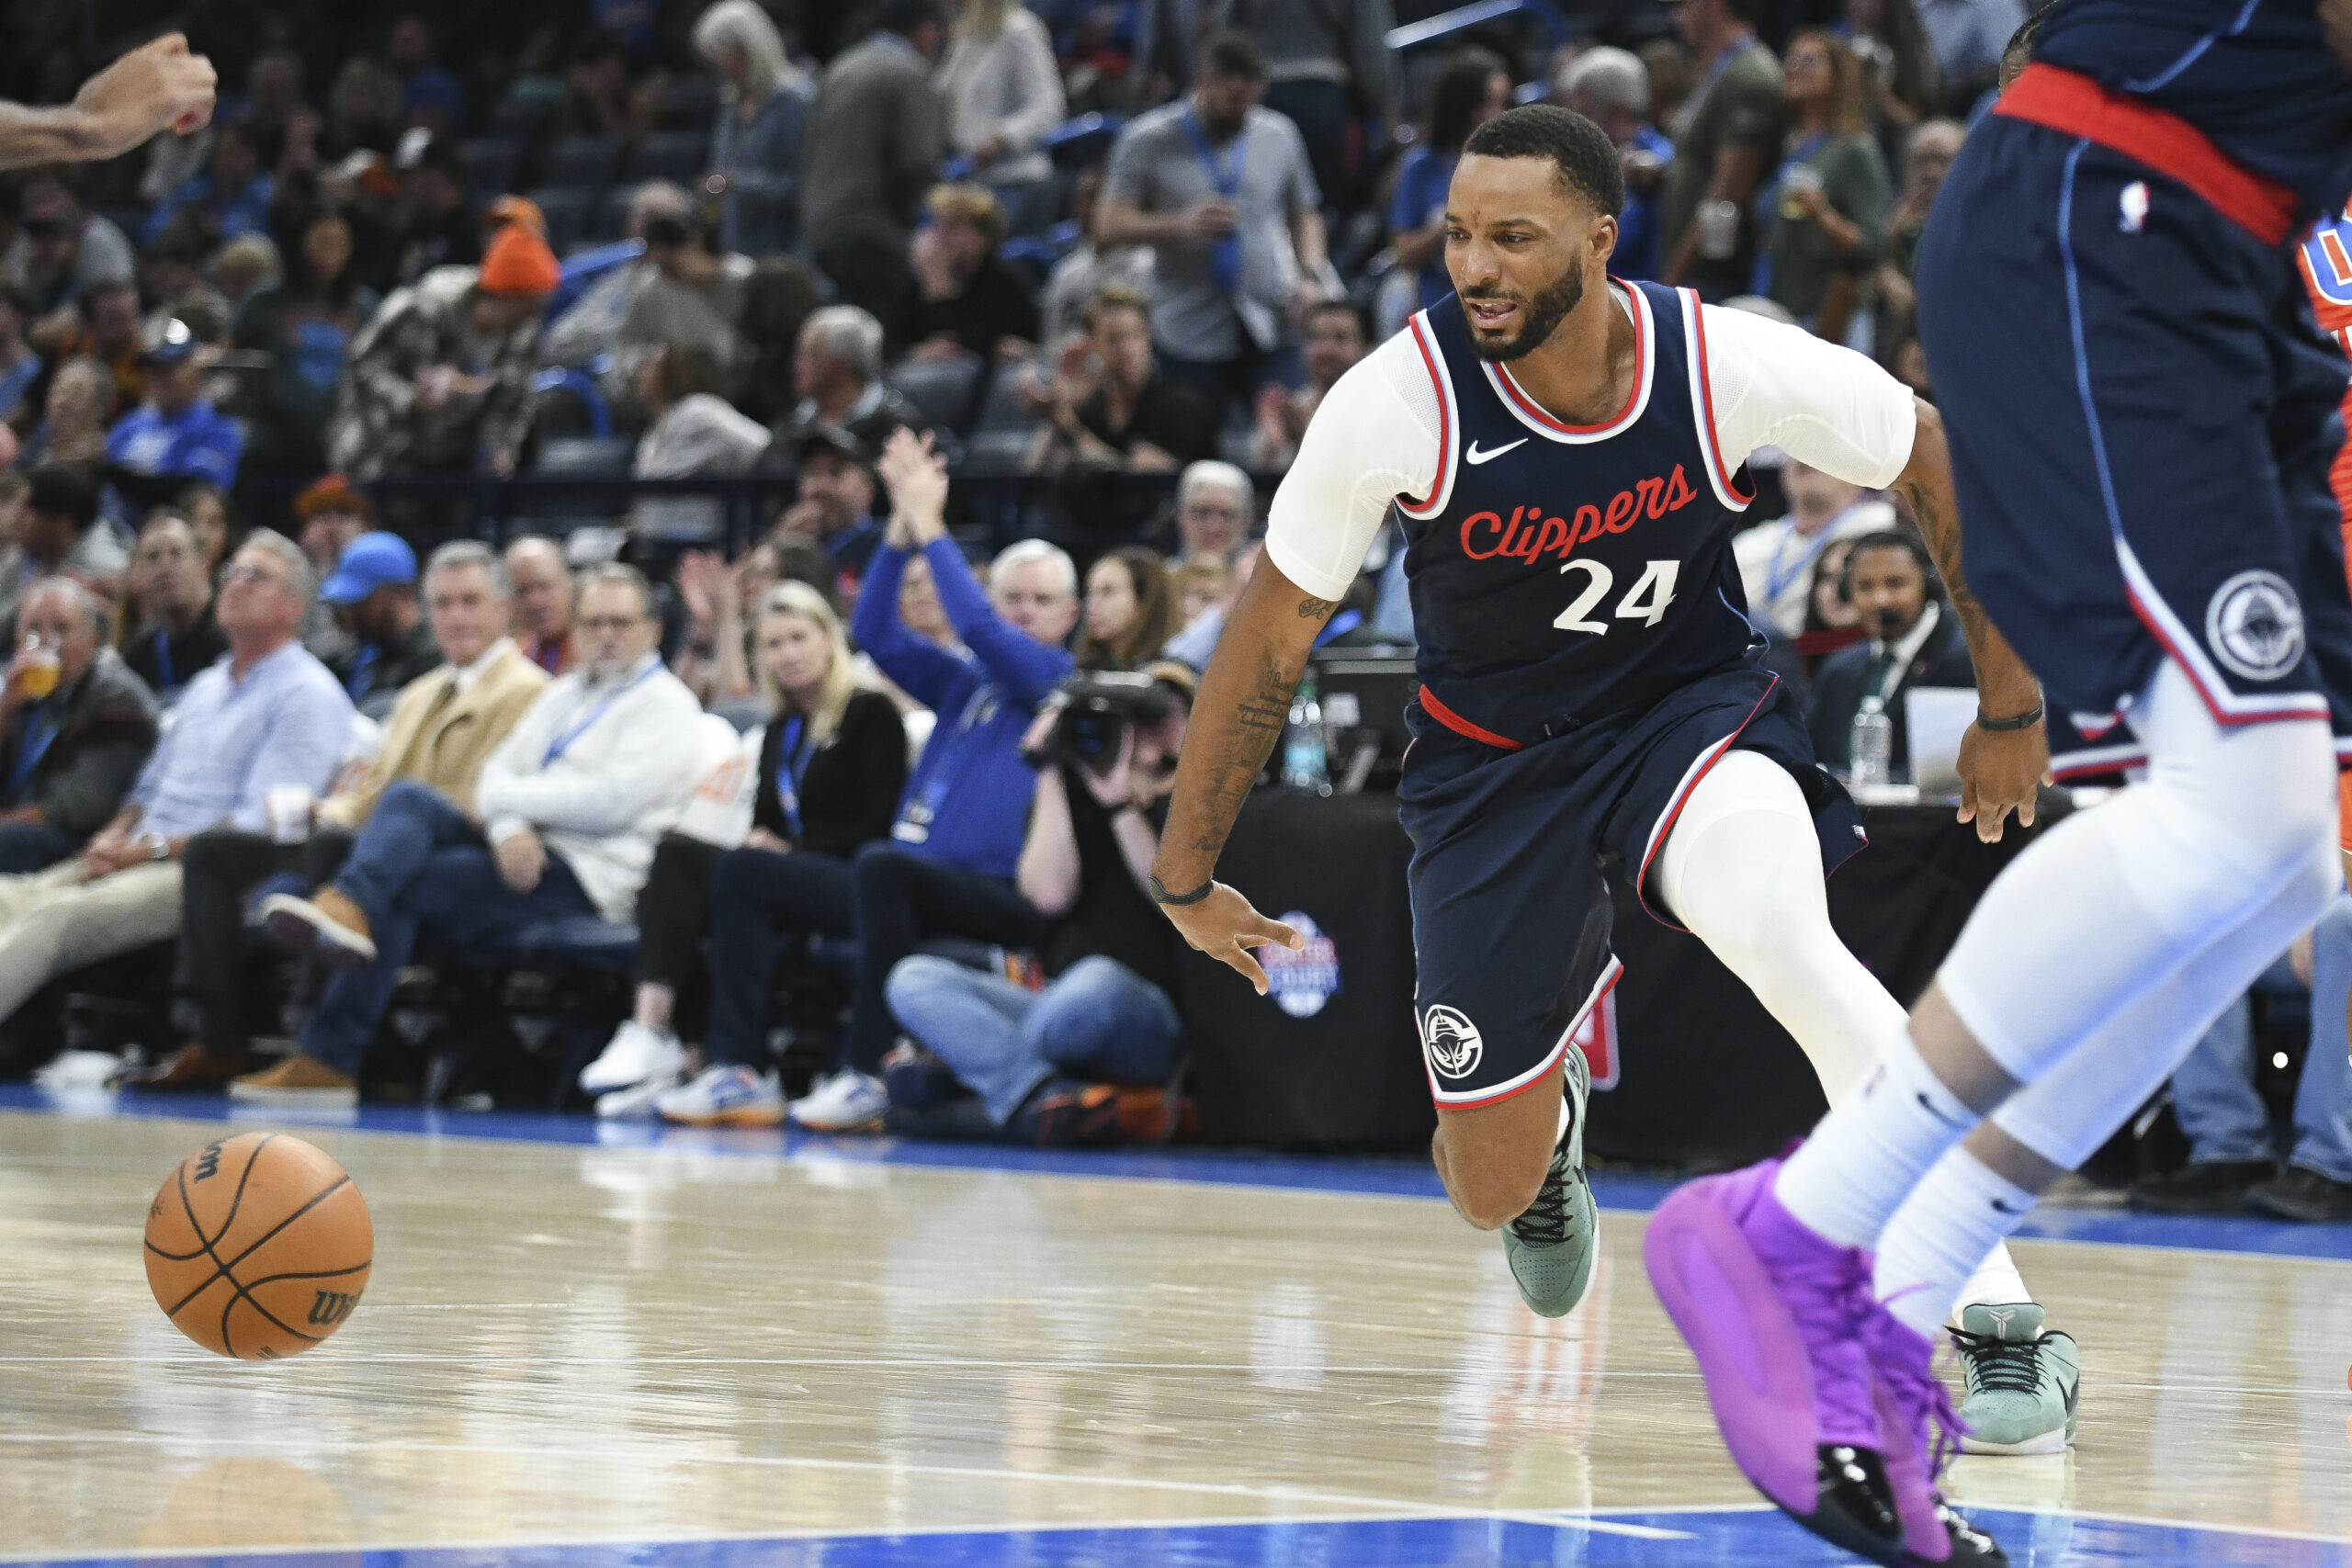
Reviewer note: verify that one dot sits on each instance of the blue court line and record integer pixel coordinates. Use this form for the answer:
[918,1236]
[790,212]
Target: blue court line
[1347,1174]
[1698,1539]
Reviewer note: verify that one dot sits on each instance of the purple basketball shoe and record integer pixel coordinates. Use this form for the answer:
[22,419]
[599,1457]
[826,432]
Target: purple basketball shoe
[1910,1398]
[1772,1313]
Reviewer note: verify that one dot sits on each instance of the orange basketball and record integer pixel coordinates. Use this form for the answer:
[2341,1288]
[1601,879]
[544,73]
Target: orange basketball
[258,1246]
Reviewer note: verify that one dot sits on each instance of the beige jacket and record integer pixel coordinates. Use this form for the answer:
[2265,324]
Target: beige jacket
[443,743]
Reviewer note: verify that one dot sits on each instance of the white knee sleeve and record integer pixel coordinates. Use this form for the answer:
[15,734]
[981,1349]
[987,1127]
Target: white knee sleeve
[2115,900]
[1742,869]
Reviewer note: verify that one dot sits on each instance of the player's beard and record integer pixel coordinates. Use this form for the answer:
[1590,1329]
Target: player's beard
[1544,312]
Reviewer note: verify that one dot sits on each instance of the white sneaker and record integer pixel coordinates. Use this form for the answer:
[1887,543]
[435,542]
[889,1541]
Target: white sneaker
[849,1101]
[635,1103]
[635,1054]
[725,1096]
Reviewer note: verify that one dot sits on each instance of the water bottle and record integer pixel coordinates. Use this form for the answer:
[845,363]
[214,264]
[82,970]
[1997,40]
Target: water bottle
[1871,747]
[1305,764]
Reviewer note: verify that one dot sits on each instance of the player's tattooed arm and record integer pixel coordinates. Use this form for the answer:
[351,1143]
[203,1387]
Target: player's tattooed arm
[2000,770]
[1237,719]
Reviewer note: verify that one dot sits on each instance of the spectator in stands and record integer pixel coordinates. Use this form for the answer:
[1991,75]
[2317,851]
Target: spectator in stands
[267,717]
[1724,149]
[1893,45]
[212,516]
[1199,584]
[1114,407]
[756,145]
[306,325]
[1129,611]
[74,419]
[430,96]
[445,724]
[1473,87]
[1912,641]
[1829,198]
[948,870]
[1220,188]
[835,507]
[1673,79]
[542,606]
[441,377]
[372,591]
[231,197]
[598,98]
[694,432]
[363,116]
[1927,157]
[565,814]
[61,533]
[778,299]
[20,365]
[173,269]
[2233,1162]
[177,435]
[875,141]
[1001,90]
[1327,70]
[1611,88]
[837,371]
[176,637]
[244,267]
[920,610]
[1086,270]
[75,728]
[104,325]
[1968,37]
[1215,504]
[676,295]
[827,769]
[1831,620]
[962,302]
[1043,1063]
[435,225]
[60,251]
[1776,559]
[1335,338]
[1198,640]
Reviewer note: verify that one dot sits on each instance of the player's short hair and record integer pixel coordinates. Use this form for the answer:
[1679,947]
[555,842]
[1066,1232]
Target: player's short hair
[1584,158]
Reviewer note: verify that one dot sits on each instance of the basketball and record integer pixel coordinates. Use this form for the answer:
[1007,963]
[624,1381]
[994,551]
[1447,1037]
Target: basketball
[258,1246]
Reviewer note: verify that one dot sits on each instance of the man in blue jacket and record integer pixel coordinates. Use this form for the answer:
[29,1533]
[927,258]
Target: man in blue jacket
[948,868]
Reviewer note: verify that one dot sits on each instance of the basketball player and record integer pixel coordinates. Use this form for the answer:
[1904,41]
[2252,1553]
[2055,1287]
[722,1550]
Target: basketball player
[157,86]
[1567,454]
[2141,413]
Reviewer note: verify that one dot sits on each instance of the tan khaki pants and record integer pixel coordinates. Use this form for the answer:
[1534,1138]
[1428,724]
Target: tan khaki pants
[53,921]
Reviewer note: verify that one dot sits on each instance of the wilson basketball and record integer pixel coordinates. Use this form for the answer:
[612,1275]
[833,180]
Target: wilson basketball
[258,1246]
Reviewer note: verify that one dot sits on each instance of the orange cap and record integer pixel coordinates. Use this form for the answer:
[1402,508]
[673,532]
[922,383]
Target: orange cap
[514,209]
[331,494]
[520,262]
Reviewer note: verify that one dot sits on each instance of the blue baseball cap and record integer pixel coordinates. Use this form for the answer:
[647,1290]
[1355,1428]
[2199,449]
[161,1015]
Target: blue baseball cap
[369,562]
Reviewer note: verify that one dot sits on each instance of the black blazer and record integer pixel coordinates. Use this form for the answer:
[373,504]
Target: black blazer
[1942,661]
[849,796]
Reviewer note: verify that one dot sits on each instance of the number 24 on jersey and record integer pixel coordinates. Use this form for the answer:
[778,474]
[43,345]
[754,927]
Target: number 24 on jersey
[1645,602]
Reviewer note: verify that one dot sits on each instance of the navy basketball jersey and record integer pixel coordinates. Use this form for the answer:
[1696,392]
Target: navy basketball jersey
[1562,574]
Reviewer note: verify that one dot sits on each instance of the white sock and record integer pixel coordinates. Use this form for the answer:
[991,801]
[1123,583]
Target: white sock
[1957,1214]
[1996,1281]
[1872,1148]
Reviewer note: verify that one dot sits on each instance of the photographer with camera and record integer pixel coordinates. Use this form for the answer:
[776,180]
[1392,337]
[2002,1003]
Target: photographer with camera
[948,868]
[1047,1065]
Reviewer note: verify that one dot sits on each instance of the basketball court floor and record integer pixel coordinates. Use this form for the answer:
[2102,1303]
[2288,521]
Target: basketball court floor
[589,1346]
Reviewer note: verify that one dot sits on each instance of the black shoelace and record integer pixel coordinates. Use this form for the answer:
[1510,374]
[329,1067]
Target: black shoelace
[1545,1223]
[2014,1366]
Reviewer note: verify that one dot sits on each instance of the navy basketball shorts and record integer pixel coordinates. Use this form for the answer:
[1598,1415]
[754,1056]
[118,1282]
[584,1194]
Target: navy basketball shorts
[2142,410]
[1513,852]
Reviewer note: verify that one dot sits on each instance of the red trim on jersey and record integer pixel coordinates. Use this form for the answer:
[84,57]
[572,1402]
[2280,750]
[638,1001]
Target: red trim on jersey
[2221,716]
[2045,95]
[1461,726]
[1608,978]
[1642,372]
[1444,422]
[1707,404]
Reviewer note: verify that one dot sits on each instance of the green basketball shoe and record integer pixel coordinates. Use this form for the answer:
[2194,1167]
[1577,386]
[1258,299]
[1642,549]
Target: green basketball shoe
[2021,1381]
[1551,1246]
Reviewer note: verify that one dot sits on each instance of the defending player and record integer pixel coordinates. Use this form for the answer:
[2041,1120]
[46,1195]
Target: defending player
[1566,453]
[2143,412]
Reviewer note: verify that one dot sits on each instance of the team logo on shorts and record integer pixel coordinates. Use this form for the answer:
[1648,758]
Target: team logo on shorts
[2254,625]
[1451,1042]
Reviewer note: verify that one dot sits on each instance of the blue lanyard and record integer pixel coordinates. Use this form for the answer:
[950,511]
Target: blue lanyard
[1778,578]
[163,674]
[40,729]
[791,767]
[362,679]
[562,743]
[1225,260]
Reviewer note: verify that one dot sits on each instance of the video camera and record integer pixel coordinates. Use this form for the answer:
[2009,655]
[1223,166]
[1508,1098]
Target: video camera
[1094,711]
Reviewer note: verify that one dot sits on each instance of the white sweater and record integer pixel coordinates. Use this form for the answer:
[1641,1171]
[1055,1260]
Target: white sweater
[633,755]
[1006,87]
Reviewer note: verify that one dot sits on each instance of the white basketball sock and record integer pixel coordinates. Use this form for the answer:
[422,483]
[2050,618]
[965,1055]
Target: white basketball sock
[1996,1281]
[1872,1148]
[1959,1213]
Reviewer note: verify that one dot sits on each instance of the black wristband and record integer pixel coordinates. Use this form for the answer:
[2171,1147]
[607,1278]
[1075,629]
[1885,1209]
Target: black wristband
[2025,720]
[1160,894]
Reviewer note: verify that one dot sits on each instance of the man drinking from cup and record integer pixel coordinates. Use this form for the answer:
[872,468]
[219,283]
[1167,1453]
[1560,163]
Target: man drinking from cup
[75,725]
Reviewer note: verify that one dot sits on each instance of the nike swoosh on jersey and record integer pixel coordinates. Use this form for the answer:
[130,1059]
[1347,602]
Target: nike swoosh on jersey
[1474,457]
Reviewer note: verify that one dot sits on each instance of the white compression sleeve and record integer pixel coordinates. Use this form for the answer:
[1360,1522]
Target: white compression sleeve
[1742,869]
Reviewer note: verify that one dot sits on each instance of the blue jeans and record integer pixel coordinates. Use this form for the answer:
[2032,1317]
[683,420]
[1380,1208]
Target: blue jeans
[419,862]
[2214,1091]
[28,847]
[1100,1021]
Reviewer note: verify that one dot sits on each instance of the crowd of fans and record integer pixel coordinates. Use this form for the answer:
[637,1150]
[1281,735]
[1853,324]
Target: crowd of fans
[861,277]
